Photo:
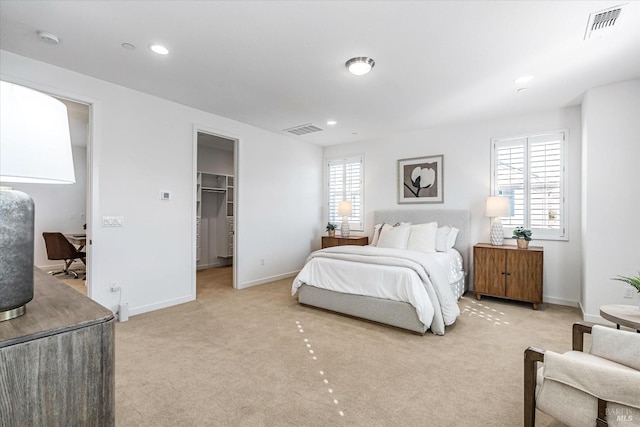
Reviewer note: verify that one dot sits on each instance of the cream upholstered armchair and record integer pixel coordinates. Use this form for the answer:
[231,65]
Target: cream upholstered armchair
[601,387]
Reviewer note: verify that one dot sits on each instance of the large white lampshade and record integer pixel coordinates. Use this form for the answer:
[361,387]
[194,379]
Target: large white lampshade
[497,206]
[344,210]
[35,147]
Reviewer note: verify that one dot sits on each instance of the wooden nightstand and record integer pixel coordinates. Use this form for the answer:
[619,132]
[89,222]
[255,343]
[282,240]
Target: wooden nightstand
[508,272]
[328,242]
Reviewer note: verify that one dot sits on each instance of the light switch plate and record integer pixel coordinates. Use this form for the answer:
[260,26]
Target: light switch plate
[112,221]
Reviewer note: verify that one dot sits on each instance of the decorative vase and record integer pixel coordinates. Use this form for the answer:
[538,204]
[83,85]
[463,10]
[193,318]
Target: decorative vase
[332,233]
[522,244]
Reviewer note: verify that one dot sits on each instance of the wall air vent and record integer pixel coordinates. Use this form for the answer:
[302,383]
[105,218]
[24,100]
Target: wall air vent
[304,129]
[602,22]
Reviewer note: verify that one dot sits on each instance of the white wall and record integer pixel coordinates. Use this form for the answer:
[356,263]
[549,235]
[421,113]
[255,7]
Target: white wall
[58,207]
[467,180]
[142,145]
[611,192]
[215,160]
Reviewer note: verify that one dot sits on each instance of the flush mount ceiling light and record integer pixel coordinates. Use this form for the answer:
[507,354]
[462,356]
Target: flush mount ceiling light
[360,66]
[331,122]
[48,37]
[523,79]
[159,49]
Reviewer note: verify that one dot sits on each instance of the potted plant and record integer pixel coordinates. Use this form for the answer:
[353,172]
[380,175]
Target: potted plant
[522,236]
[633,281]
[331,229]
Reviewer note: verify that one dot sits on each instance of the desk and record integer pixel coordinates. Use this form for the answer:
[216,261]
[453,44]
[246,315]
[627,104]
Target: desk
[626,315]
[77,239]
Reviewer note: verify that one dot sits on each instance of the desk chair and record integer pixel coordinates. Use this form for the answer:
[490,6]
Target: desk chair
[59,248]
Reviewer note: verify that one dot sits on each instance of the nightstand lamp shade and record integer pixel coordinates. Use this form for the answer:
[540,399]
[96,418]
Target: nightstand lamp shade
[344,210]
[497,206]
[35,147]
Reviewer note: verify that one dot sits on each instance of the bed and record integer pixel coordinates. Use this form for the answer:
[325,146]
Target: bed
[419,292]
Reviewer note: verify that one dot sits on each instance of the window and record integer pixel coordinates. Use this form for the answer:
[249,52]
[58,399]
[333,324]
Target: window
[530,170]
[346,182]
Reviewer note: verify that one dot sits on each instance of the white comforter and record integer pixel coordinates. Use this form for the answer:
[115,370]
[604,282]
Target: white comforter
[402,275]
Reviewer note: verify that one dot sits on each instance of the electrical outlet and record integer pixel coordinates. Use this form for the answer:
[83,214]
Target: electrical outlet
[628,292]
[114,286]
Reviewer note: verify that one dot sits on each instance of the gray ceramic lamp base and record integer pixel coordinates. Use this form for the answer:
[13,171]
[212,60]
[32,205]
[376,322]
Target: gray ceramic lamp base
[16,253]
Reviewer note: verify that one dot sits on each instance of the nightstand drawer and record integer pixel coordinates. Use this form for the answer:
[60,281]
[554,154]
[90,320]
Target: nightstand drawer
[328,241]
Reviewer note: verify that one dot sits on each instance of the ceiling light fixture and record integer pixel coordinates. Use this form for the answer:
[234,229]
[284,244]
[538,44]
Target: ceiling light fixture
[48,37]
[331,122]
[128,46]
[360,66]
[523,79]
[159,49]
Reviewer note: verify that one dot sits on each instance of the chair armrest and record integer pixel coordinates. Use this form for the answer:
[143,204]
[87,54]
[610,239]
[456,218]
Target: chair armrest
[532,356]
[579,329]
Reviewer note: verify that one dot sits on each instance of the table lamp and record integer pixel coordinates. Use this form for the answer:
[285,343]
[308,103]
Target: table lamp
[497,206]
[35,147]
[344,210]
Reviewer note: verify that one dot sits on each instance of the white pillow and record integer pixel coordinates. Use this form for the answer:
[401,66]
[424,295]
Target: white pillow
[376,234]
[446,238]
[423,237]
[394,237]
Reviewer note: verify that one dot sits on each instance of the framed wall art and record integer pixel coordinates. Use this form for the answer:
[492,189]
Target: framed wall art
[420,180]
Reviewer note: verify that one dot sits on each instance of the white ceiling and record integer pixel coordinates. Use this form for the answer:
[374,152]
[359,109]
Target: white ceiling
[279,64]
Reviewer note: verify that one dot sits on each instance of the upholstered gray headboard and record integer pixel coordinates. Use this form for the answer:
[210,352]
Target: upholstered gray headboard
[457,218]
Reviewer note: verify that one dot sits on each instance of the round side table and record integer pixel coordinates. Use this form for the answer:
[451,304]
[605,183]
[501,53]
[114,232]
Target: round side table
[626,315]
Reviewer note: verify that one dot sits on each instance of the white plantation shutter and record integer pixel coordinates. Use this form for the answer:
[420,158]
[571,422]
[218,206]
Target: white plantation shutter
[530,172]
[345,182]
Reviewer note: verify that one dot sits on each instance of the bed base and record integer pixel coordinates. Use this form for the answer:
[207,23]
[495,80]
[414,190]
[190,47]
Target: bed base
[394,313]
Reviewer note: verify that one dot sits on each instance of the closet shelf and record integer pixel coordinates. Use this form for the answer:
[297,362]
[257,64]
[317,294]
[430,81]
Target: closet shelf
[214,190]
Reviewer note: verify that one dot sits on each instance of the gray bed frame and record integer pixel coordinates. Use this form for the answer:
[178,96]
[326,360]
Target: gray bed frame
[393,313]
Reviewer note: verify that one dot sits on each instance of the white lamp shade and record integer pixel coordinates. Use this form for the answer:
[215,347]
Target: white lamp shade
[497,206]
[344,208]
[35,144]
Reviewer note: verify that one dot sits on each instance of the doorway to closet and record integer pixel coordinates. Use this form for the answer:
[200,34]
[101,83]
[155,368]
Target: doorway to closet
[215,206]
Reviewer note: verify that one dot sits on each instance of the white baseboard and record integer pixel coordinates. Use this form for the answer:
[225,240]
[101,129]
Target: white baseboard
[560,301]
[162,304]
[267,280]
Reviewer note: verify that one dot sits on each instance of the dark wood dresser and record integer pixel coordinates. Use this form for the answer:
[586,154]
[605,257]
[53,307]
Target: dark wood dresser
[57,360]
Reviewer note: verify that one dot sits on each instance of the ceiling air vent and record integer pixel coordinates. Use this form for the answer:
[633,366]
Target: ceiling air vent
[602,22]
[304,129]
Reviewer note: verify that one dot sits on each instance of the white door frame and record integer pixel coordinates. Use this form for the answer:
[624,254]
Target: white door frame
[236,185]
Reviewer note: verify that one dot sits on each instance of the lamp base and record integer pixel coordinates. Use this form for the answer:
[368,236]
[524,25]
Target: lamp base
[497,233]
[13,313]
[16,253]
[344,228]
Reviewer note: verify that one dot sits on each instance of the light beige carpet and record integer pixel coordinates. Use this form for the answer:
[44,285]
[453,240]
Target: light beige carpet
[255,357]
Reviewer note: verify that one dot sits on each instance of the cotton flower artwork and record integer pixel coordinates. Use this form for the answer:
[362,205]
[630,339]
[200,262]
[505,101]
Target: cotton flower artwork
[420,180]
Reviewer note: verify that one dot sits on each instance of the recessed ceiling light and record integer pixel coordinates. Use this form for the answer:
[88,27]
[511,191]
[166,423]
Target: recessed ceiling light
[523,79]
[48,37]
[360,65]
[331,122]
[159,49]
[128,46]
